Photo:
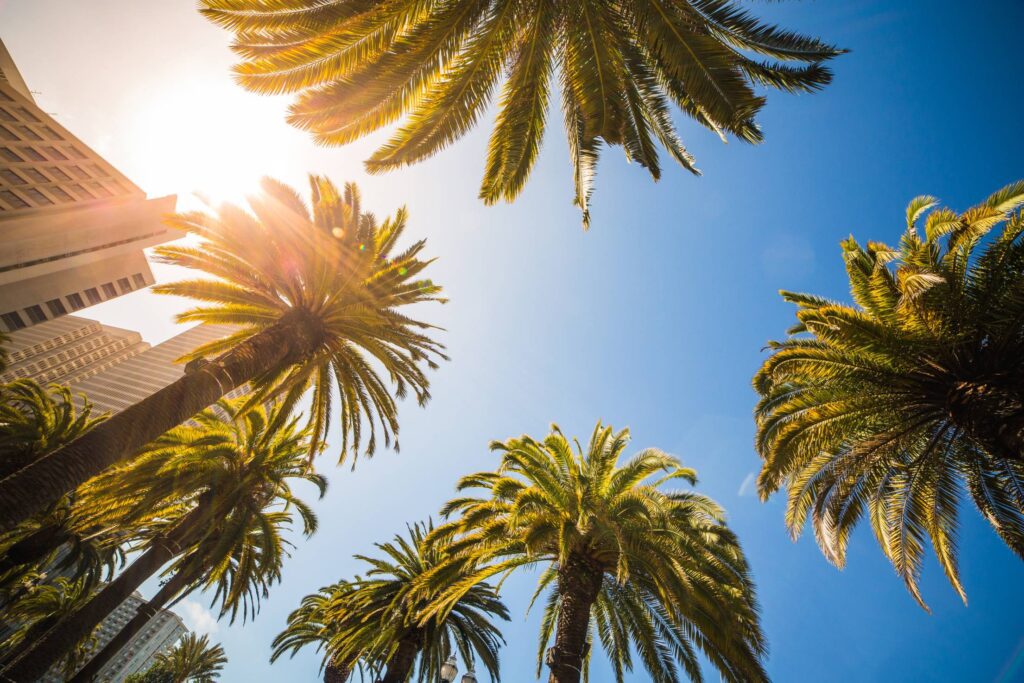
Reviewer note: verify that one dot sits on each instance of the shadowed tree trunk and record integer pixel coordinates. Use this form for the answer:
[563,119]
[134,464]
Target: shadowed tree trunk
[34,547]
[77,626]
[42,483]
[400,665]
[578,586]
[991,415]
[336,672]
[146,611]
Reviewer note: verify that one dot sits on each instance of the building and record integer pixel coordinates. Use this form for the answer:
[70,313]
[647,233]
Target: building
[159,635]
[73,228]
[114,368]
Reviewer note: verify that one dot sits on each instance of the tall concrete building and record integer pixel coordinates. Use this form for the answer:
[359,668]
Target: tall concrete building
[114,368]
[72,227]
[159,635]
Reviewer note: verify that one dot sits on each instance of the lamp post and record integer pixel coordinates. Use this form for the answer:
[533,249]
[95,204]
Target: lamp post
[449,670]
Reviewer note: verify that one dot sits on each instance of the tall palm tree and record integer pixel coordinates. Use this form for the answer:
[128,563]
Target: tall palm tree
[380,620]
[317,293]
[627,561]
[33,422]
[315,623]
[232,472]
[890,407]
[192,659]
[38,611]
[435,66]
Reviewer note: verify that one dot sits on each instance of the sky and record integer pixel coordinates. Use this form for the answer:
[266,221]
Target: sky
[655,318]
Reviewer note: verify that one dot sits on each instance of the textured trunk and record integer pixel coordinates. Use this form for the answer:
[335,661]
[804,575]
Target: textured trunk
[578,584]
[77,626]
[35,632]
[42,483]
[401,663]
[147,611]
[34,547]
[991,415]
[336,672]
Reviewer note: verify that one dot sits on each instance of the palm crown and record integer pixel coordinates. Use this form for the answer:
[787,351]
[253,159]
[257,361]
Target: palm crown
[631,562]
[381,619]
[362,65]
[335,269]
[889,407]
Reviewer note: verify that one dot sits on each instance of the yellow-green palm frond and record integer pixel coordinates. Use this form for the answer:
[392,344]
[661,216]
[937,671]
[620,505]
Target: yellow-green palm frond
[891,407]
[334,275]
[434,68]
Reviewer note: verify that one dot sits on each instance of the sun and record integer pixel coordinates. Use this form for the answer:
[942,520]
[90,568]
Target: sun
[206,138]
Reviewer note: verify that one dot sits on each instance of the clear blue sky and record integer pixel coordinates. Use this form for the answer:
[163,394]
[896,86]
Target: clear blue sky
[654,319]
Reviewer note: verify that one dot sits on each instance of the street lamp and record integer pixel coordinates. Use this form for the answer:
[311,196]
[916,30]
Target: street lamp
[449,670]
[469,677]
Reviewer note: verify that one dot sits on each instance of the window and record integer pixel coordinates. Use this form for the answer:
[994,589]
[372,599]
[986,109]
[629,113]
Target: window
[51,134]
[13,321]
[11,178]
[7,116]
[13,200]
[61,195]
[38,197]
[55,153]
[98,188]
[7,134]
[35,314]
[79,171]
[29,134]
[124,285]
[75,301]
[5,97]
[9,154]
[139,280]
[57,173]
[26,114]
[81,191]
[32,154]
[108,290]
[35,175]
[92,295]
[77,153]
[56,307]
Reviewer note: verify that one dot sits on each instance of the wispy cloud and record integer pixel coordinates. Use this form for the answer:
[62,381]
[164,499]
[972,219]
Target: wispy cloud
[747,487]
[197,617]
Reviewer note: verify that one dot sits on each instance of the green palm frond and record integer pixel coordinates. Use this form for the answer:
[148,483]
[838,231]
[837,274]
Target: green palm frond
[893,407]
[434,67]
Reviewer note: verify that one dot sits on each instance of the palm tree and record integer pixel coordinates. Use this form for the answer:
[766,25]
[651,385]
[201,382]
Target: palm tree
[317,294]
[629,562]
[33,422]
[192,659]
[359,66]
[380,620]
[37,612]
[891,406]
[232,472]
[315,623]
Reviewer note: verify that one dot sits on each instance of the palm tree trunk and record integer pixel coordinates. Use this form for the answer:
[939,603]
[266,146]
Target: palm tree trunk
[34,547]
[34,633]
[400,665]
[76,627]
[336,672]
[42,483]
[991,415]
[578,585]
[146,611]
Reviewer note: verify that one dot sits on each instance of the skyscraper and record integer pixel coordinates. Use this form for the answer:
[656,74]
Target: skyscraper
[72,227]
[114,368]
[159,634]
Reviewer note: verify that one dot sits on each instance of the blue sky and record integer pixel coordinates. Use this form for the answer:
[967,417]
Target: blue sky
[654,319]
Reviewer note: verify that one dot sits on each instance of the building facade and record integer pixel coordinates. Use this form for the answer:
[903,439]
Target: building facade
[114,368]
[159,635]
[73,228]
